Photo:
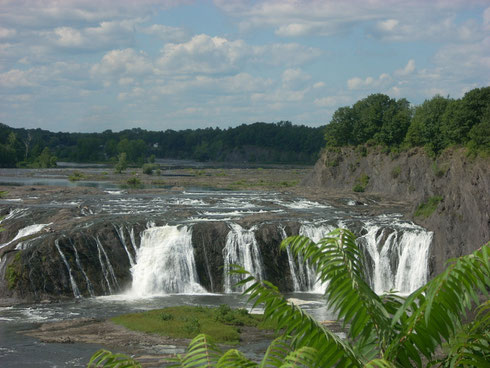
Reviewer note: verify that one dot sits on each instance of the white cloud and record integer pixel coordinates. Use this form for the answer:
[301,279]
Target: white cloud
[125,62]
[294,78]
[204,54]
[7,32]
[369,82]
[408,69]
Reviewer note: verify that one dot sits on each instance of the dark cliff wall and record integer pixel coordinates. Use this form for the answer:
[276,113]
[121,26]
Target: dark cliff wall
[460,221]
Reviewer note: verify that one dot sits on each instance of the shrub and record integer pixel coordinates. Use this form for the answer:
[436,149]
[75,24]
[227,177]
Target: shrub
[76,176]
[361,183]
[395,173]
[427,208]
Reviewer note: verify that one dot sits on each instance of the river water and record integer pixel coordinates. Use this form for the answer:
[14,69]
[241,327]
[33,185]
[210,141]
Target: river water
[398,252]
[18,350]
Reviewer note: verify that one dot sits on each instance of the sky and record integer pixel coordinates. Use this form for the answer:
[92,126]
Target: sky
[93,65]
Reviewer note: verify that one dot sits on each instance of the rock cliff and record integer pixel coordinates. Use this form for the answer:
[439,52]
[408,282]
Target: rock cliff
[458,187]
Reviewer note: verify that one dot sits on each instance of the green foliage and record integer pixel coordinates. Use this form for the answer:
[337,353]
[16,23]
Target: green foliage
[395,173]
[435,124]
[13,272]
[375,119]
[76,176]
[149,168]
[221,323]
[361,183]
[44,160]
[426,209]
[134,182]
[104,358]
[382,331]
[122,163]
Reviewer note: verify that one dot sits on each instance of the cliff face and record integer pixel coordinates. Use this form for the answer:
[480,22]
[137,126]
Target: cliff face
[460,185]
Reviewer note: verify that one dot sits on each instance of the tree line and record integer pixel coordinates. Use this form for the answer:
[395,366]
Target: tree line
[280,142]
[436,124]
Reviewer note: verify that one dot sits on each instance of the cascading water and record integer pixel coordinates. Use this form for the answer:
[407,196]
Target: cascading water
[26,231]
[399,256]
[241,248]
[76,291]
[306,273]
[165,263]
[122,238]
[77,260]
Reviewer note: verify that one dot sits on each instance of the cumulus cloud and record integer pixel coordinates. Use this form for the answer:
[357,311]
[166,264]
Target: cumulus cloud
[127,62]
[210,55]
[409,68]
[369,82]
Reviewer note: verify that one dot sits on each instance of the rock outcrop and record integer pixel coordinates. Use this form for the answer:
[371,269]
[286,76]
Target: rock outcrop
[459,184]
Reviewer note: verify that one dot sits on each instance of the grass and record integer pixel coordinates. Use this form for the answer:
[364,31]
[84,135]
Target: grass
[427,208]
[222,323]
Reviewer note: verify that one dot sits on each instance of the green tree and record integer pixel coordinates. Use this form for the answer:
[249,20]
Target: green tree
[382,331]
[425,128]
[121,164]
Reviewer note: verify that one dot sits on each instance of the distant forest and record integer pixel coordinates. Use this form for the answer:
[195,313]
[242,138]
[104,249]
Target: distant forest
[376,120]
[280,142]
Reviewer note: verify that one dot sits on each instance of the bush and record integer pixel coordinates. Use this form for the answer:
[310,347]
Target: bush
[148,168]
[76,176]
[427,208]
[134,182]
[361,183]
[395,173]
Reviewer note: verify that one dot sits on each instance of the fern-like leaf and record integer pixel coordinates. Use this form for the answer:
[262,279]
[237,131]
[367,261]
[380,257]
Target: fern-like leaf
[107,359]
[292,320]
[201,352]
[433,313]
[340,264]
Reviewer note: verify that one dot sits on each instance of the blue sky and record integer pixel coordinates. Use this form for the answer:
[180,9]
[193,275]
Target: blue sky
[88,66]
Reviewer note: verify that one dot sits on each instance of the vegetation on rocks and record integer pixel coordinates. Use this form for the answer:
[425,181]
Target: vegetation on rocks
[424,328]
[222,324]
[427,208]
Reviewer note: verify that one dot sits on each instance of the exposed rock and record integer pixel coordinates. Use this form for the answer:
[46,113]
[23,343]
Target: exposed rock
[460,222]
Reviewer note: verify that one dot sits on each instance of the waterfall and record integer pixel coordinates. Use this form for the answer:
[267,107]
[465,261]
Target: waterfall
[76,292]
[241,248]
[292,264]
[120,233]
[399,257]
[77,260]
[165,263]
[307,274]
[103,267]
[133,240]
[26,231]
[413,251]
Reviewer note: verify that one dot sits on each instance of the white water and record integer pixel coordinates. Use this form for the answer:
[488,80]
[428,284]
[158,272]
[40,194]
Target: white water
[77,260]
[26,231]
[399,257]
[165,263]
[76,292]
[307,273]
[120,231]
[241,248]
[103,265]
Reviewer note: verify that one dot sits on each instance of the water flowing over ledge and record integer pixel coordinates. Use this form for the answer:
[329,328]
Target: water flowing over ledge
[106,249]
